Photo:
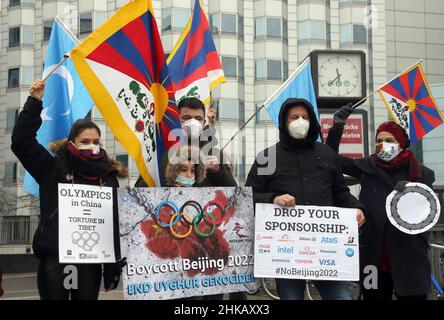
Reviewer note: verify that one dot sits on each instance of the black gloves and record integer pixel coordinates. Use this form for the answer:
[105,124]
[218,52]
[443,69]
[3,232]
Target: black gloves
[400,185]
[111,274]
[340,117]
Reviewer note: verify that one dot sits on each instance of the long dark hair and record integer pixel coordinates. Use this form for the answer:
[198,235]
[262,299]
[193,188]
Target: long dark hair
[63,167]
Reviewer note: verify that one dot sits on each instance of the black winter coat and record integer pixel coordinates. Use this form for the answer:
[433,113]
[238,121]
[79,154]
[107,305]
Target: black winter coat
[408,257]
[42,166]
[307,170]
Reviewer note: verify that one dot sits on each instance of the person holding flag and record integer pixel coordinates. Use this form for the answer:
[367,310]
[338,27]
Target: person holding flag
[79,159]
[66,100]
[390,168]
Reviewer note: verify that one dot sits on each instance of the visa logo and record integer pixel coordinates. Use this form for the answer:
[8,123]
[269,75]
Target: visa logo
[327,262]
[329,240]
[285,249]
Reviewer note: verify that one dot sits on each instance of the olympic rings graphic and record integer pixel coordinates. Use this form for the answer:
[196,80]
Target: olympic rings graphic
[85,240]
[182,217]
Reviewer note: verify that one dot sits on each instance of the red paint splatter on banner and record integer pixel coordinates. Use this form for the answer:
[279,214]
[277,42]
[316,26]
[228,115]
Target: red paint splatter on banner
[161,243]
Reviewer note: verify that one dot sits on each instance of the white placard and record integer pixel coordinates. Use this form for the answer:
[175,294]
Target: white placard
[306,242]
[86,233]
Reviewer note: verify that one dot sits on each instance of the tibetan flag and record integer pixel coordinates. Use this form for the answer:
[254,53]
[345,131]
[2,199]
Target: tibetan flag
[410,102]
[122,64]
[194,65]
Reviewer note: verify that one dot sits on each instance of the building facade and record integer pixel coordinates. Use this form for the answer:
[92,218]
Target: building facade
[260,43]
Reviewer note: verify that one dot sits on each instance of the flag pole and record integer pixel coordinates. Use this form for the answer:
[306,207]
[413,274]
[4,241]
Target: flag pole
[55,68]
[357,104]
[290,78]
[243,127]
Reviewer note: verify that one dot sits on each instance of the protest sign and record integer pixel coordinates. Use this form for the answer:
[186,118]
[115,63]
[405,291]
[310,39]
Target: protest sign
[185,242]
[306,242]
[86,224]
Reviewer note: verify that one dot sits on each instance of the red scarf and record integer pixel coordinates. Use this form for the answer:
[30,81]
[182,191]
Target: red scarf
[405,159]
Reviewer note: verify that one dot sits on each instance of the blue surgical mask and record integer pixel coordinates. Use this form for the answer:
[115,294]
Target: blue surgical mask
[185,181]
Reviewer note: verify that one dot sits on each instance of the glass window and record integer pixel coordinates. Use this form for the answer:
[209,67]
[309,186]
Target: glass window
[28,35]
[303,31]
[312,30]
[11,118]
[47,28]
[241,25]
[166,20]
[229,109]
[359,34]
[10,172]
[86,23]
[241,68]
[14,2]
[345,33]
[13,78]
[229,65]
[274,69]
[123,159]
[14,36]
[260,27]
[285,30]
[100,18]
[273,27]
[242,111]
[27,76]
[181,17]
[215,23]
[229,23]
[318,30]
[28,1]
[285,71]
[260,69]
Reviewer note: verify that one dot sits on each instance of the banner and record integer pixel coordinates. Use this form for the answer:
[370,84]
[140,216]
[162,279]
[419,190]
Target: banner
[185,242]
[86,228]
[306,242]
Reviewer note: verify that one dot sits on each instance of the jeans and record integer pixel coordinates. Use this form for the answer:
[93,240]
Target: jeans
[289,289]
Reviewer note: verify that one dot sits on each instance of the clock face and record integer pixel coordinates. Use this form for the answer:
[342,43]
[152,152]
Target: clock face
[339,75]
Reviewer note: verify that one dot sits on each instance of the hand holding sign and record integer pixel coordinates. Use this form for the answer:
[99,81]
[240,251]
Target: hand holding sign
[285,200]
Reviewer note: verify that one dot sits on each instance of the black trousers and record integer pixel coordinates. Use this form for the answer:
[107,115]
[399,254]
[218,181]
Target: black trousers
[51,278]
[385,290]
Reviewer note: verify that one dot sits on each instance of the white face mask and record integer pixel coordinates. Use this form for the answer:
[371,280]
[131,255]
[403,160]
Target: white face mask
[185,181]
[387,151]
[193,128]
[93,148]
[299,128]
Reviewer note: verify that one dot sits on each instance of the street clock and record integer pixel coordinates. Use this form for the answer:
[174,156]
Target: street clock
[339,77]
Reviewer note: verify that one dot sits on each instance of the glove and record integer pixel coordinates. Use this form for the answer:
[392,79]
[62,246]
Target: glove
[111,274]
[400,185]
[340,117]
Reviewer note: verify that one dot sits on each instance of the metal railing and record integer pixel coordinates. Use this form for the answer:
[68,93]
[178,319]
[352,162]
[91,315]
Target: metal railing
[17,229]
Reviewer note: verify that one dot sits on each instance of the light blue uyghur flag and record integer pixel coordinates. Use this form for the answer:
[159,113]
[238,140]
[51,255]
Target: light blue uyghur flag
[66,98]
[298,85]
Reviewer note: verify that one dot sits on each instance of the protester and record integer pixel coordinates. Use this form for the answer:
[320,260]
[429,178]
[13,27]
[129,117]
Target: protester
[192,120]
[80,160]
[306,173]
[401,259]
